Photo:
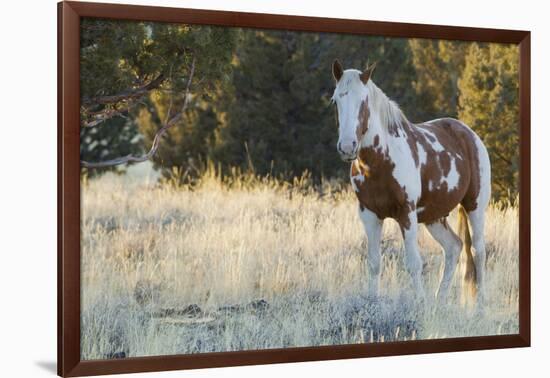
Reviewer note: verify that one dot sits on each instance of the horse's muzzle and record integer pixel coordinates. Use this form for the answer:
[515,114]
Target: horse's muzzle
[347,151]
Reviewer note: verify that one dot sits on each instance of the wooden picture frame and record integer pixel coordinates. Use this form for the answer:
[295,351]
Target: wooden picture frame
[69,16]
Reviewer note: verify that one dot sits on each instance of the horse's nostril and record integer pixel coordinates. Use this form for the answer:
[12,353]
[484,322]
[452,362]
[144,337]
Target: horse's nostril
[354,144]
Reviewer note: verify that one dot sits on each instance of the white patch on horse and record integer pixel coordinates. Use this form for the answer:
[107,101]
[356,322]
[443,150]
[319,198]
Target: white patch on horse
[402,157]
[452,178]
[422,155]
[484,172]
[438,147]
[360,179]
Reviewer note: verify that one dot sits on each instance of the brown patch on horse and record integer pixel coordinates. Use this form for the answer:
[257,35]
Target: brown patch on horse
[410,136]
[378,190]
[363,119]
[458,142]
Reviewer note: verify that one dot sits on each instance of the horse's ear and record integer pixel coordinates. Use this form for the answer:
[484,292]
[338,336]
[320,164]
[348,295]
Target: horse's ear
[337,70]
[367,74]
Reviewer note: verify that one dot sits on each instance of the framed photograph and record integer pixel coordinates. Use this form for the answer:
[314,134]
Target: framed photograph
[240,188]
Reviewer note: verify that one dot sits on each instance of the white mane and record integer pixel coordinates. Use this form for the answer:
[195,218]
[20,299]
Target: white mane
[388,111]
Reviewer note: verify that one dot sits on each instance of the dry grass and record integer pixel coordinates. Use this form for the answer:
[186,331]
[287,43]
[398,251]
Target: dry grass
[255,264]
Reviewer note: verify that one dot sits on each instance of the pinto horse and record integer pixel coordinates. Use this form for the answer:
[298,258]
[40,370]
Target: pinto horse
[413,173]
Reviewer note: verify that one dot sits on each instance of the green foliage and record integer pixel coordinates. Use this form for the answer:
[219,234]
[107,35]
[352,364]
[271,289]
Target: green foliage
[260,99]
[118,57]
[263,121]
[189,143]
[279,117]
[489,103]
[111,55]
[438,65]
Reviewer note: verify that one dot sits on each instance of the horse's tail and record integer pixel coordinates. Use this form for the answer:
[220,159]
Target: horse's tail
[467,266]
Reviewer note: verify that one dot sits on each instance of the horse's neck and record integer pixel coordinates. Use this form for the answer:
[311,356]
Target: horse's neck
[384,138]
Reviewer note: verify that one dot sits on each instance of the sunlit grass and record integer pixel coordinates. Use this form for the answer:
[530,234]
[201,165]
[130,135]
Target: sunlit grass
[170,269]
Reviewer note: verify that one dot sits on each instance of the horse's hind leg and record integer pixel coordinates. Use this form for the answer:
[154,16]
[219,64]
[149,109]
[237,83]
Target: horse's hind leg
[452,245]
[477,221]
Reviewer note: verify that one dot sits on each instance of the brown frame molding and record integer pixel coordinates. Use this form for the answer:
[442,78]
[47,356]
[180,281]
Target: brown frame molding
[69,15]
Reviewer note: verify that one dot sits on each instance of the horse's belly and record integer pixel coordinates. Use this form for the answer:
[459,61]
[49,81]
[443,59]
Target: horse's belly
[383,201]
[435,205]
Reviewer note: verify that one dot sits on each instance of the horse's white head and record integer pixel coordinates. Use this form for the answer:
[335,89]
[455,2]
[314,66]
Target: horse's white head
[351,98]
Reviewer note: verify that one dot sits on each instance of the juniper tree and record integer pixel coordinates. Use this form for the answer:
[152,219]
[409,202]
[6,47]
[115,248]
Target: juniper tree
[489,103]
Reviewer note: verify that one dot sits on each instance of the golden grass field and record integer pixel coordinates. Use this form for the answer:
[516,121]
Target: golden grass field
[247,263]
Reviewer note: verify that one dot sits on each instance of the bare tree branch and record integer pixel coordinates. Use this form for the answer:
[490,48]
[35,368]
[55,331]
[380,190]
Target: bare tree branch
[159,134]
[125,95]
[105,115]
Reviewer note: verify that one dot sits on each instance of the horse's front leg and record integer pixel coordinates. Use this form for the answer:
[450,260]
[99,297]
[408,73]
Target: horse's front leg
[409,228]
[373,228]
